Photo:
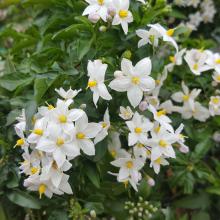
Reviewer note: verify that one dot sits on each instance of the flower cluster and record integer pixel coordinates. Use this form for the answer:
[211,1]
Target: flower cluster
[205,13]
[115,11]
[59,134]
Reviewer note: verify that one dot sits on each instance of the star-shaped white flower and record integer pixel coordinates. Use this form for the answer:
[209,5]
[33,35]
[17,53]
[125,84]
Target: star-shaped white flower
[69,94]
[134,79]
[96,72]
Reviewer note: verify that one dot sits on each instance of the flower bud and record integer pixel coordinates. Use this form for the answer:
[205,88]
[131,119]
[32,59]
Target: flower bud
[216,137]
[93,213]
[111,11]
[83,106]
[143,106]
[150,181]
[94,18]
[127,54]
[102,28]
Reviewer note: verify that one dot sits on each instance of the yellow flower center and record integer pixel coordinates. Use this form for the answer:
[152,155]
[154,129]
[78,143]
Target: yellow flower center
[34,170]
[38,132]
[218,78]
[129,164]
[217,61]
[172,59]
[41,189]
[20,142]
[185,98]
[135,80]
[215,100]
[104,125]
[140,145]
[113,153]
[157,82]
[80,135]
[54,165]
[170,32]
[157,129]
[161,112]
[92,83]
[148,152]
[126,183]
[162,143]
[123,13]
[196,66]
[100,2]
[138,130]
[158,160]
[60,141]
[50,107]
[62,119]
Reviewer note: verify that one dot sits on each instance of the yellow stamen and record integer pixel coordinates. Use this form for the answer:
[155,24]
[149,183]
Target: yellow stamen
[135,80]
[218,78]
[100,2]
[62,119]
[92,83]
[60,141]
[123,13]
[157,129]
[113,153]
[217,61]
[38,132]
[185,98]
[170,32]
[140,145]
[148,152]
[20,142]
[42,189]
[50,107]
[34,170]
[54,165]
[158,160]
[161,112]
[157,81]
[33,120]
[138,130]
[172,59]
[215,100]
[104,125]
[129,164]
[80,135]
[162,143]
[126,183]
[196,66]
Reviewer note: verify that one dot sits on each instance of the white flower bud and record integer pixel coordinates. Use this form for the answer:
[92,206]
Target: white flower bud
[111,11]
[83,106]
[93,213]
[143,106]
[102,28]
[94,18]
[151,181]
[216,137]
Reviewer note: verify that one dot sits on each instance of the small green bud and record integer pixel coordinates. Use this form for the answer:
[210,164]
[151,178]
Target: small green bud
[127,54]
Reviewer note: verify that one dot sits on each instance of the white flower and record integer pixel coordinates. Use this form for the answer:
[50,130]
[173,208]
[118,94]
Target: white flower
[99,7]
[193,3]
[161,144]
[180,139]
[122,16]
[214,105]
[114,146]
[214,61]
[58,143]
[161,118]
[126,113]
[195,19]
[167,35]
[200,112]
[83,132]
[129,168]
[148,37]
[21,125]
[135,80]
[186,96]
[216,76]
[138,126]
[156,164]
[196,60]
[64,117]
[105,124]
[38,131]
[141,151]
[69,94]
[96,72]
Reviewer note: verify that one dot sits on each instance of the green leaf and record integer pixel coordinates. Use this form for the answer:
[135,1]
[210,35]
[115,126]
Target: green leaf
[201,216]
[93,175]
[23,199]
[40,87]
[58,215]
[214,190]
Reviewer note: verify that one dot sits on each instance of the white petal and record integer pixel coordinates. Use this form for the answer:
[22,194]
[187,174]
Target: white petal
[135,95]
